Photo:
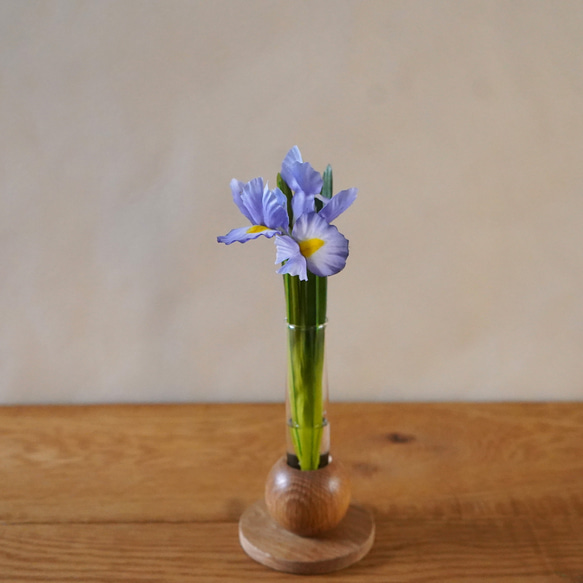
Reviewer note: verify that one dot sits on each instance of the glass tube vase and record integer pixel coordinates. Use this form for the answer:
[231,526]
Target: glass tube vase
[308,431]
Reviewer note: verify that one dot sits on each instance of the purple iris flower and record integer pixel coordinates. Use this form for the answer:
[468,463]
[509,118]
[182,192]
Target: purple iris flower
[266,210]
[312,243]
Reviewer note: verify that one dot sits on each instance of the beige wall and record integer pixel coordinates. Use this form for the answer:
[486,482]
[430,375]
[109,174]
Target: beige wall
[122,123]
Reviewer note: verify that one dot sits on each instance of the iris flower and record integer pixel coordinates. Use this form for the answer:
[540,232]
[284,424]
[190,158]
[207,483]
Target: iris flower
[266,210]
[306,241]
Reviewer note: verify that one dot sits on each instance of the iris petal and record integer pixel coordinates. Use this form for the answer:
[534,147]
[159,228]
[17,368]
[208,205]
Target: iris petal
[289,251]
[306,179]
[252,198]
[302,203]
[280,197]
[295,266]
[274,209]
[285,247]
[300,176]
[329,258]
[237,189]
[336,205]
[291,158]
[244,234]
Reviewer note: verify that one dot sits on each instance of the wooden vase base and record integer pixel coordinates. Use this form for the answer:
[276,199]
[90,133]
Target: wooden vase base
[271,545]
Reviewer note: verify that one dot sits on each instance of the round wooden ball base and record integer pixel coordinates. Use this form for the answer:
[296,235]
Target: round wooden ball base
[270,544]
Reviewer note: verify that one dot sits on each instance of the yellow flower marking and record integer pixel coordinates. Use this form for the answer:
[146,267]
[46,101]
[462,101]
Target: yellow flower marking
[257,229]
[310,246]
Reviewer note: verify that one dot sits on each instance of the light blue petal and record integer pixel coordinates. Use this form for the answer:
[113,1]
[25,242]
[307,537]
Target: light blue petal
[275,210]
[302,203]
[305,179]
[237,189]
[336,205]
[236,186]
[295,266]
[242,235]
[289,251]
[252,198]
[291,158]
[309,226]
[285,248]
[280,196]
[330,258]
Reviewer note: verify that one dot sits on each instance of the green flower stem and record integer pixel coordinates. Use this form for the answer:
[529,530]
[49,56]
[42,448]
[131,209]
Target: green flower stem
[306,315]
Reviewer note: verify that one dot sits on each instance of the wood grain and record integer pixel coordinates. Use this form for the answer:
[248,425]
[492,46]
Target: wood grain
[421,550]
[307,502]
[270,544]
[460,492]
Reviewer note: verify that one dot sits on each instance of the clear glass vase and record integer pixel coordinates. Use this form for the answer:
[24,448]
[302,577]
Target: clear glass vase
[308,431]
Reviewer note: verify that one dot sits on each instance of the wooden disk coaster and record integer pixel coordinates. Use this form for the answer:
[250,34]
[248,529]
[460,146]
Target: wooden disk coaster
[271,545]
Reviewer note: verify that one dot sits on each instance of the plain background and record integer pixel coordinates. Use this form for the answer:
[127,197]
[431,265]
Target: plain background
[122,123]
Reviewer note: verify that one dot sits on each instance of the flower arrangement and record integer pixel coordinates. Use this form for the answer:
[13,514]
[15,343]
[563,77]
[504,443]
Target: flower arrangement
[298,214]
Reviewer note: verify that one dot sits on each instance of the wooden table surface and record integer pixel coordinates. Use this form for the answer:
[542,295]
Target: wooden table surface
[460,492]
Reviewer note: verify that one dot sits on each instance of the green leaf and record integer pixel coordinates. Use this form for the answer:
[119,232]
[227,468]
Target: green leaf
[282,185]
[327,186]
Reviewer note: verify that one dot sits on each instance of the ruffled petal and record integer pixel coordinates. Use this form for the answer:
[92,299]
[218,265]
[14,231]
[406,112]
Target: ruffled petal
[331,258]
[252,198]
[275,210]
[295,266]
[302,203]
[244,234]
[237,189]
[305,179]
[336,205]
[299,175]
[324,248]
[291,158]
[289,251]
[280,196]
[285,247]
